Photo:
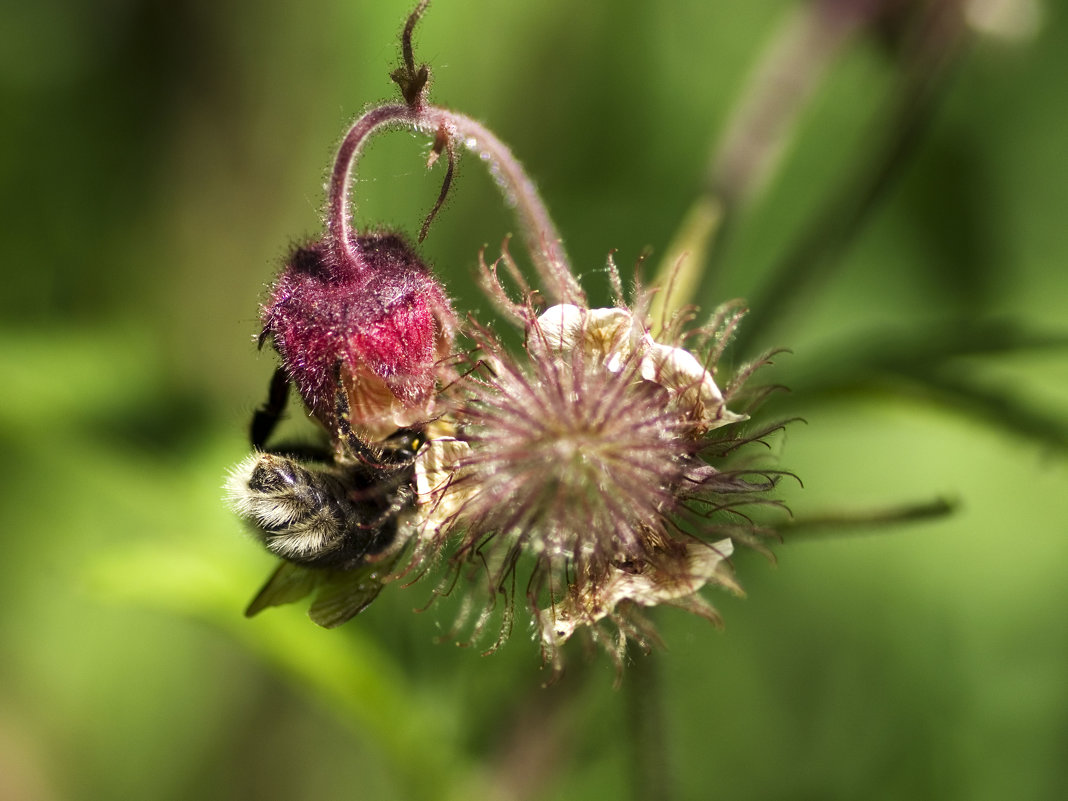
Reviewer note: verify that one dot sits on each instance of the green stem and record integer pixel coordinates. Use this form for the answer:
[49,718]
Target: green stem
[643,693]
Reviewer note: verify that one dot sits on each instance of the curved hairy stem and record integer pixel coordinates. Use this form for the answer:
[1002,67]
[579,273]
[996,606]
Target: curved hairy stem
[338,213]
[539,232]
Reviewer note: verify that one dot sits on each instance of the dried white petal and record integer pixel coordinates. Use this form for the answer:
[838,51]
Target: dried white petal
[702,564]
[598,332]
[694,388]
[613,336]
[440,490]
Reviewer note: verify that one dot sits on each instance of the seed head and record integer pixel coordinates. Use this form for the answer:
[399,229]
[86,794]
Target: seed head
[584,457]
[565,450]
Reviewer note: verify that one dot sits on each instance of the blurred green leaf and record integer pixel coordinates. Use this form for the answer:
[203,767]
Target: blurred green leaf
[350,674]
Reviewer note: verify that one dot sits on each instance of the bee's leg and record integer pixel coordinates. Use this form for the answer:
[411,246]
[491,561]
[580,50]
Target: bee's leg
[346,437]
[386,468]
[398,448]
[265,419]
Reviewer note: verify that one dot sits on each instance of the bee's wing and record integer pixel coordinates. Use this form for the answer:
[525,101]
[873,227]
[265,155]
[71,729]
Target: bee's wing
[344,594]
[287,584]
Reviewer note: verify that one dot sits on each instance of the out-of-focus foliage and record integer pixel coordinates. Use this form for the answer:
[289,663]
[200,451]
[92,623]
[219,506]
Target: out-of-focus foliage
[157,161]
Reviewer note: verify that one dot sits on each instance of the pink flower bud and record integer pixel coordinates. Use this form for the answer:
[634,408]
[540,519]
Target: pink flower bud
[373,318]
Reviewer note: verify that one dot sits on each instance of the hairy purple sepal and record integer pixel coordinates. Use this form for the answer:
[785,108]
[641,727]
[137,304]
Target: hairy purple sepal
[372,317]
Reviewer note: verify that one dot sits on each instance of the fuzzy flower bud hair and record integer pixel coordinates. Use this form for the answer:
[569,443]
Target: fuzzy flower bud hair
[369,314]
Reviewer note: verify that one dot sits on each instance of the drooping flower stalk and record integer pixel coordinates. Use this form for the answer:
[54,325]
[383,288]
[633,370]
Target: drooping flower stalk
[520,193]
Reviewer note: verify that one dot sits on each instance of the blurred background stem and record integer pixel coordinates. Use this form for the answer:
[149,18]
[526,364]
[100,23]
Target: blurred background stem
[648,741]
[927,48]
[925,39]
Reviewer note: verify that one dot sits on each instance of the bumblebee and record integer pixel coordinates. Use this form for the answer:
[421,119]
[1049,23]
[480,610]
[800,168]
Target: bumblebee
[315,516]
[332,517]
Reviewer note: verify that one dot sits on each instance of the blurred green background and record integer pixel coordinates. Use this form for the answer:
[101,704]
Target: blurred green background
[158,159]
